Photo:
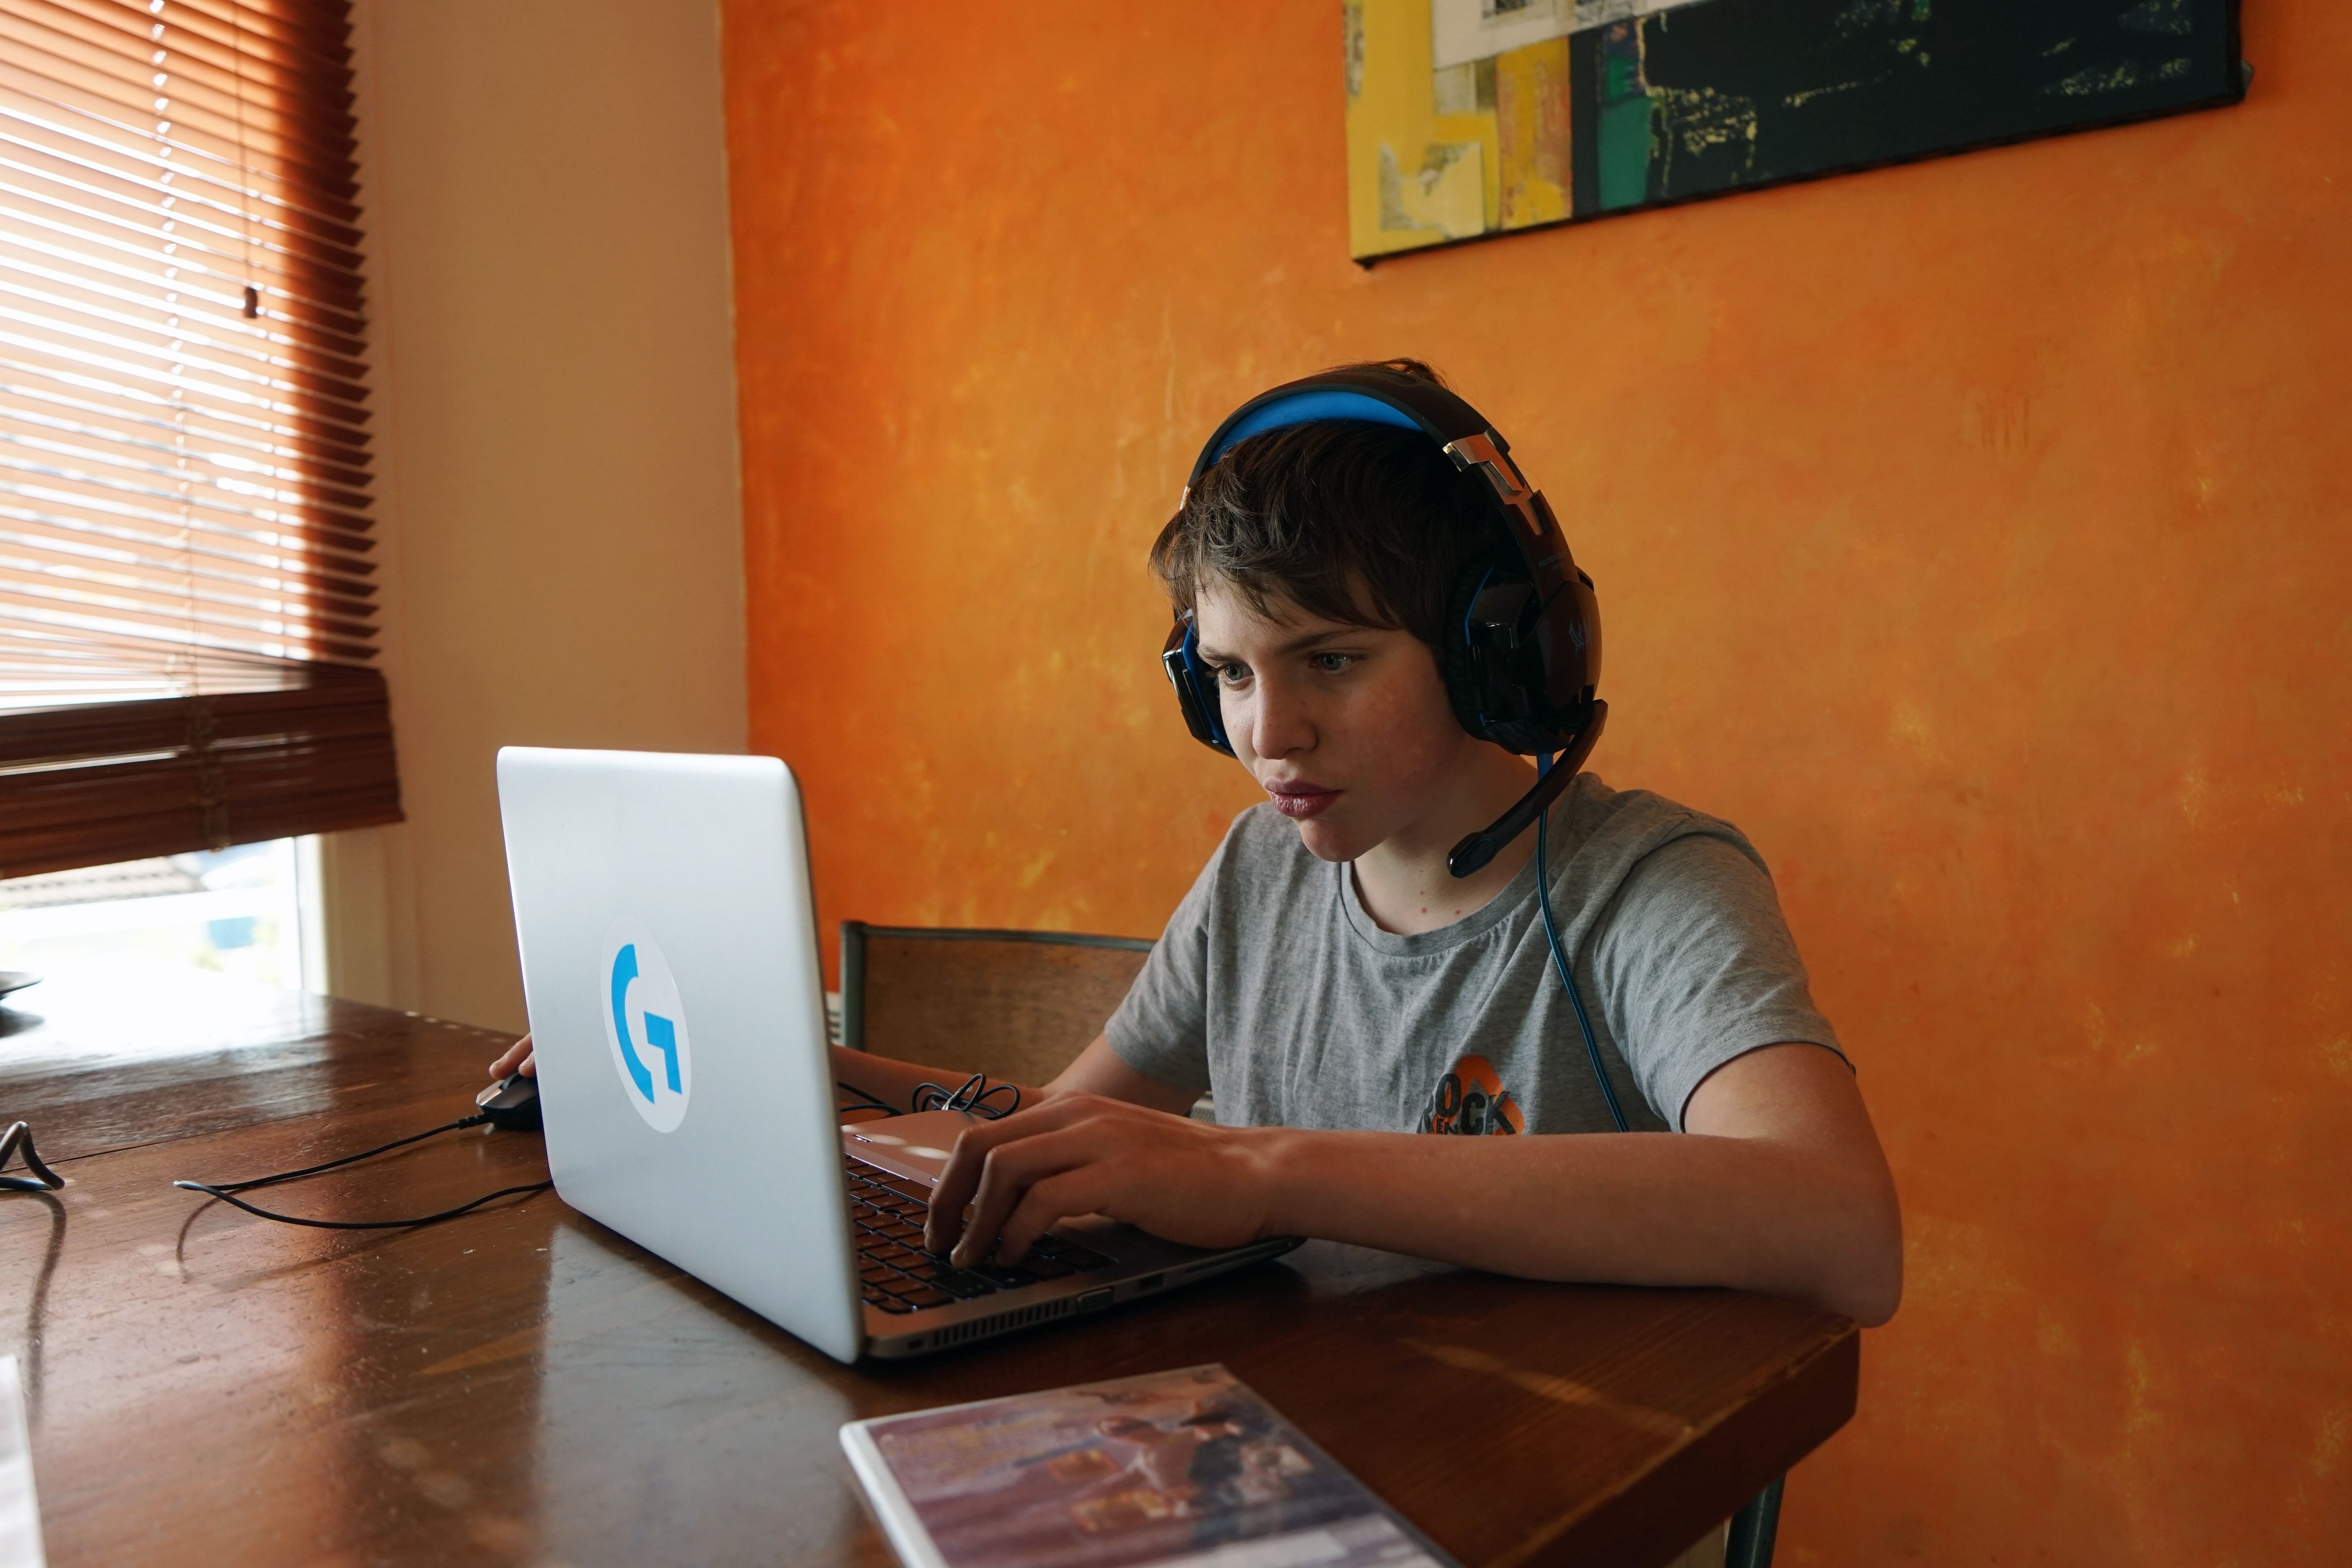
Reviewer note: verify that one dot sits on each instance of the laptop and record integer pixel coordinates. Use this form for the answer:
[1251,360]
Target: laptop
[669,965]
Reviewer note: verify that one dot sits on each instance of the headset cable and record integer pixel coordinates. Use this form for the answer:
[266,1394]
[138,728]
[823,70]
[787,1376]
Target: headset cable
[1560,960]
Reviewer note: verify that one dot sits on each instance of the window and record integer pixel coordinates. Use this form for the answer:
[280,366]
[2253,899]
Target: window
[186,603]
[242,911]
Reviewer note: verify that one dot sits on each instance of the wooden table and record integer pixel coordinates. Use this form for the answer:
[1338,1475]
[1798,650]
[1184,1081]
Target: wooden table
[522,1384]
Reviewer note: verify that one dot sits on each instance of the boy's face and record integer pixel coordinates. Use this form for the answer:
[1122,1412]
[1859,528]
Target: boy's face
[1345,727]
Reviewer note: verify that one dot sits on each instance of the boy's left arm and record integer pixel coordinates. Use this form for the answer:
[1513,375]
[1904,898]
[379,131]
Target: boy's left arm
[1777,1184]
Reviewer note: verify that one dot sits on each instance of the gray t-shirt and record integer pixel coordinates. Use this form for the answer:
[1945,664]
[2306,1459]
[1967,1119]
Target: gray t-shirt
[1273,989]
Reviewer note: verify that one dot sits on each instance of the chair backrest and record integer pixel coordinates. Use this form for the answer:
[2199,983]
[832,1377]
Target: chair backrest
[1018,1005]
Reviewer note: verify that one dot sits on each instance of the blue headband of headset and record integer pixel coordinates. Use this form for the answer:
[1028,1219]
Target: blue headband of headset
[1326,402]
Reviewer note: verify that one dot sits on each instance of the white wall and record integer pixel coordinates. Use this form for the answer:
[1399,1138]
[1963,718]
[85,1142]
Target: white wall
[545,190]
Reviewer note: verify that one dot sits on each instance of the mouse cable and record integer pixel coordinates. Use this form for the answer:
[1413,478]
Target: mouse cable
[349,1159]
[362,1224]
[226,1191]
[1559,961]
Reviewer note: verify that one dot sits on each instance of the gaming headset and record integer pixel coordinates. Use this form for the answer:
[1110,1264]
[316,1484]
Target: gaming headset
[1522,650]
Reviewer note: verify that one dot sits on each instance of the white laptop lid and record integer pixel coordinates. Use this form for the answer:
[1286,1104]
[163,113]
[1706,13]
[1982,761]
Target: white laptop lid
[669,963]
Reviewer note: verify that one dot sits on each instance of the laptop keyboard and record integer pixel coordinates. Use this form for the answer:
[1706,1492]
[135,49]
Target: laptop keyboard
[894,1272]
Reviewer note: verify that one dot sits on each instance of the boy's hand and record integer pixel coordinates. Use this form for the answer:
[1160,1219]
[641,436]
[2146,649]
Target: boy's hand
[1181,1180]
[518,1058]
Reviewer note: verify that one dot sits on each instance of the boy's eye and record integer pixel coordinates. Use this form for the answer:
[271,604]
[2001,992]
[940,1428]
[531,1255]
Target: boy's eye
[1333,663]
[1232,674]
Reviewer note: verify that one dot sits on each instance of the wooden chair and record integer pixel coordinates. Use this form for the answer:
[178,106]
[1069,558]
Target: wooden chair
[1018,1005]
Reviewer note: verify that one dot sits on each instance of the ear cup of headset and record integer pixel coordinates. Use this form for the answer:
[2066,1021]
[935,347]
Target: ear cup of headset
[1196,688]
[1581,646]
[1501,644]
[1455,660]
[1487,680]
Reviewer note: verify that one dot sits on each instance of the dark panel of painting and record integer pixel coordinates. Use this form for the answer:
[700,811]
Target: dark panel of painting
[1667,100]
[1706,98]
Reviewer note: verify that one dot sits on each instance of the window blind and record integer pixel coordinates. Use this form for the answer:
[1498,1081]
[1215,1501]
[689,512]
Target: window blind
[187,596]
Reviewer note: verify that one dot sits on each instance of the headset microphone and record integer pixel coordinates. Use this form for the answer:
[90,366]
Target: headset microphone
[1470,856]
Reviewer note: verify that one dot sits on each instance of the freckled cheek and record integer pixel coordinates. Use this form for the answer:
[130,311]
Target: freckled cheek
[1397,740]
[1241,726]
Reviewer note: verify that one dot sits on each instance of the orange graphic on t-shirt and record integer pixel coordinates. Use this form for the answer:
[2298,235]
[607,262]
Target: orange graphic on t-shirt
[1471,1100]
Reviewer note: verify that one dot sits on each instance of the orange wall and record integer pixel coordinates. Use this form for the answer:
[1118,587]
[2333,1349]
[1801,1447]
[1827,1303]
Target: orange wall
[1973,534]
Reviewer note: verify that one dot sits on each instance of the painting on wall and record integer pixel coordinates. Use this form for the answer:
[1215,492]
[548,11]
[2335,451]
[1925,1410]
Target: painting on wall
[1468,119]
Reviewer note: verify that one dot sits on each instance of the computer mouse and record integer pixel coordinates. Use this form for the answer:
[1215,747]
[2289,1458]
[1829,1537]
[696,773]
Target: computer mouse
[512,1103]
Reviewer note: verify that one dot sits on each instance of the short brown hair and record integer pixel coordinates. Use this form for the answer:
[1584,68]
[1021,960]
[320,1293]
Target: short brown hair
[1352,521]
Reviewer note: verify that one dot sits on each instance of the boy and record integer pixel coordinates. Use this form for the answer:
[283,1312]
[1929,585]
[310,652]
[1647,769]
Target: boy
[1343,994]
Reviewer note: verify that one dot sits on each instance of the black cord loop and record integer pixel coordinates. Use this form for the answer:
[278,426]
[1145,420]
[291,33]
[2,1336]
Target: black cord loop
[972,1096]
[19,1137]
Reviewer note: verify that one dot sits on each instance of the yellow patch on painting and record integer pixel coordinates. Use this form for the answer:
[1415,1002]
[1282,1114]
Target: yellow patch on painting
[1531,129]
[1423,156]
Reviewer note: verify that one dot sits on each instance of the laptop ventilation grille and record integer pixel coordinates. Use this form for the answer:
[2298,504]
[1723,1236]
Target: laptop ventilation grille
[959,1332]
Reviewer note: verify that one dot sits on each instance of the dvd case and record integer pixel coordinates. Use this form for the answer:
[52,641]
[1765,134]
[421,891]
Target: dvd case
[1187,1467]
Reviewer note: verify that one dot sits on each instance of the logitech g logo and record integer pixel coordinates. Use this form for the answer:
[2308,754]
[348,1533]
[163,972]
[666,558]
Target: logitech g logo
[645,1025]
